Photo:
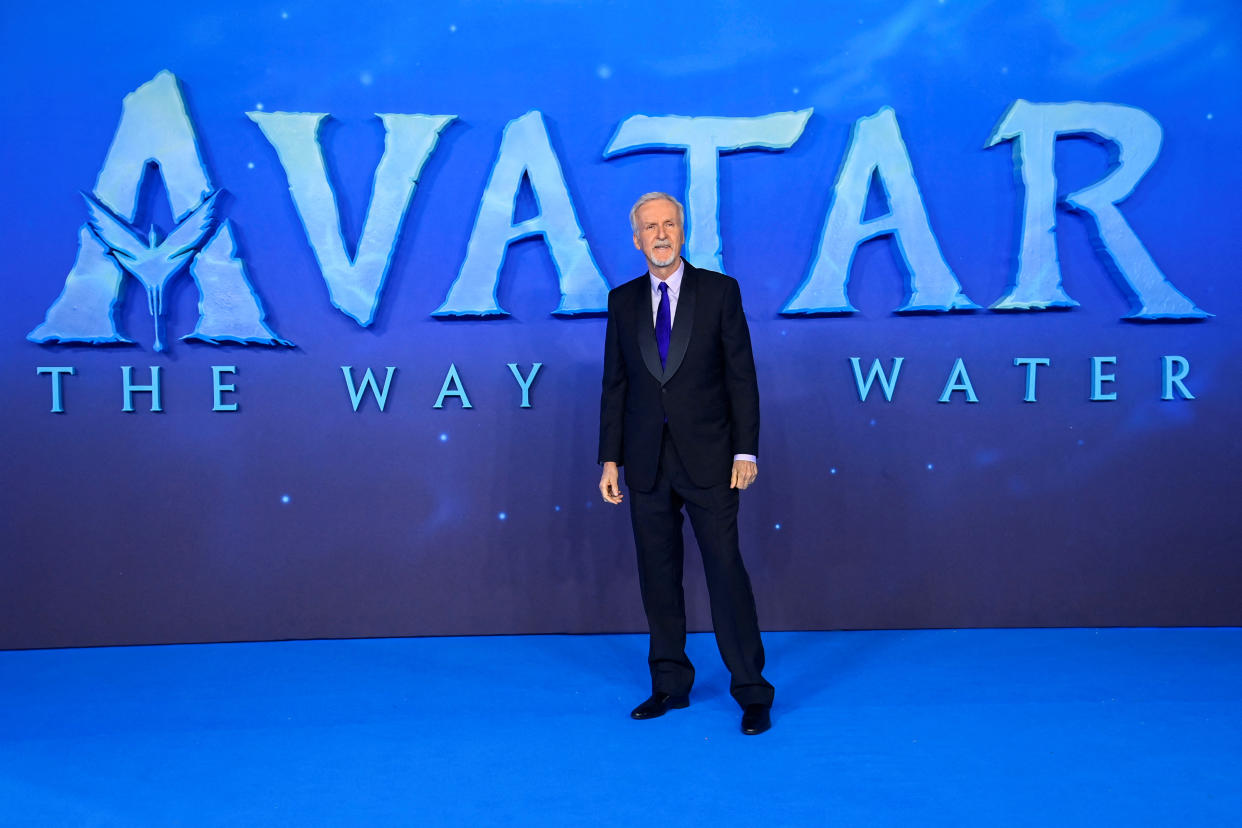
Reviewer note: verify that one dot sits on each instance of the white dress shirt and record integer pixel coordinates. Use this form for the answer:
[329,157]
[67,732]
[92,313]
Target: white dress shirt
[674,290]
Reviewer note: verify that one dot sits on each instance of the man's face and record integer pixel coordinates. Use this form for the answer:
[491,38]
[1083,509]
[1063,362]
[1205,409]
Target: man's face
[659,233]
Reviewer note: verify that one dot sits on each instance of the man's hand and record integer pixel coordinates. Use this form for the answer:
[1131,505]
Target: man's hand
[744,473]
[611,489]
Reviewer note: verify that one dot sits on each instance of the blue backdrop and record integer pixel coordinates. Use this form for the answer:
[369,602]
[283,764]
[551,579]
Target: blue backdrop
[958,133]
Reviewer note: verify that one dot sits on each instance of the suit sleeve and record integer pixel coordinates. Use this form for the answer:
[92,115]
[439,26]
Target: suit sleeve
[740,381]
[612,399]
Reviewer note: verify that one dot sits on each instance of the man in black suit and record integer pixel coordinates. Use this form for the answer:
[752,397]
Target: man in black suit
[680,410]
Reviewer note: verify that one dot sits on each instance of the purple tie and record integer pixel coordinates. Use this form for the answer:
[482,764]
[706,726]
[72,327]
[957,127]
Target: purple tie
[664,324]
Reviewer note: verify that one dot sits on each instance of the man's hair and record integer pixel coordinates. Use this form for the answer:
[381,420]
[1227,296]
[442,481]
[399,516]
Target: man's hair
[643,199]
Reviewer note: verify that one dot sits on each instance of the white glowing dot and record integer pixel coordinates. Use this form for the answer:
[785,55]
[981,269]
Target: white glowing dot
[1209,116]
[250,165]
[452,27]
[259,106]
[930,466]
[365,79]
[503,516]
[604,71]
[558,508]
[284,15]
[285,498]
[777,527]
[833,470]
[795,90]
[443,438]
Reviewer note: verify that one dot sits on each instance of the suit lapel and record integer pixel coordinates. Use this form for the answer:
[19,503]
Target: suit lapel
[646,329]
[683,323]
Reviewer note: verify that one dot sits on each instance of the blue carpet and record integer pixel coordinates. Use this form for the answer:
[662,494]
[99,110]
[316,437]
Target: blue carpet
[968,727]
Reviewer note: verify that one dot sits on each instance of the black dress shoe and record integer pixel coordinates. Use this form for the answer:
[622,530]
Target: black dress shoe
[658,705]
[756,718]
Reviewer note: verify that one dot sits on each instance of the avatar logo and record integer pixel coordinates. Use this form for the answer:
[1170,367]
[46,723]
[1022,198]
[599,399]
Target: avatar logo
[155,129]
[150,262]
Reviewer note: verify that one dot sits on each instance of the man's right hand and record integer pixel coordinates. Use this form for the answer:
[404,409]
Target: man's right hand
[609,486]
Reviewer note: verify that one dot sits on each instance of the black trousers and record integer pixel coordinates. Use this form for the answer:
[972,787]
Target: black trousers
[657,519]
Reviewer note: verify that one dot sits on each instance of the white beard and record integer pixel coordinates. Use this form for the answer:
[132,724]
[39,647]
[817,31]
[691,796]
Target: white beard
[670,257]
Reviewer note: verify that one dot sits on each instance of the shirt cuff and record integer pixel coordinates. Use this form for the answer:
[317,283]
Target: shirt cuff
[752,458]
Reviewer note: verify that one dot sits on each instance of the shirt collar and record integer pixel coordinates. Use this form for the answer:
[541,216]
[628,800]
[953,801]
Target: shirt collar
[673,281]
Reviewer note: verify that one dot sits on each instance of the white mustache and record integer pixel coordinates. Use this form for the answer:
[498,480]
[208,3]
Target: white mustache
[662,245]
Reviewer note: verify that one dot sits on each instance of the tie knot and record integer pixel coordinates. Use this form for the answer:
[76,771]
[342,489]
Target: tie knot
[664,287]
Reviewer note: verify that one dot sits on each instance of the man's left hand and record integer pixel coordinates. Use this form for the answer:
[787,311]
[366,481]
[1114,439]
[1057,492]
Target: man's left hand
[744,473]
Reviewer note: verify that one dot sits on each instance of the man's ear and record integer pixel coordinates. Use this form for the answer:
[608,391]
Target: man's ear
[637,243]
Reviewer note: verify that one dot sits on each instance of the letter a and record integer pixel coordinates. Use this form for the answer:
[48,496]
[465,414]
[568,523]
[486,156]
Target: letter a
[525,150]
[876,149]
[155,128]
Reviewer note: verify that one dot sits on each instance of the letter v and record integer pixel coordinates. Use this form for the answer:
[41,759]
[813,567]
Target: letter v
[354,284]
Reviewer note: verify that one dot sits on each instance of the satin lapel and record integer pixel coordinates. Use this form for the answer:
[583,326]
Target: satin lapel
[683,323]
[645,326]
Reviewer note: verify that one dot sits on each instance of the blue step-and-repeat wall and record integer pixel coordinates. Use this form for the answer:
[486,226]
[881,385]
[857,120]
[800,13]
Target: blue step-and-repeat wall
[301,320]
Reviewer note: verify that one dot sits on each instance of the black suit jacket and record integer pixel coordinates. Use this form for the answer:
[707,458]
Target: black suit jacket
[707,391]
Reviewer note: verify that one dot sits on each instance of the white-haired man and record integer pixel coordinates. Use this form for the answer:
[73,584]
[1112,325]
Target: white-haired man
[680,412]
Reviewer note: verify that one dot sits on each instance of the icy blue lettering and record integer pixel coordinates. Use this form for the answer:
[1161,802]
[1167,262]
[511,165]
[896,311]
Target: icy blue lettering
[127,385]
[1098,378]
[1135,136]
[1031,364]
[877,150]
[354,282]
[452,387]
[887,383]
[57,371]
[154,128]
[526,151]
[228,308]
[703,140]
[959,380]
[1171,379]
[218,388]
[368,383]
[525,382]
